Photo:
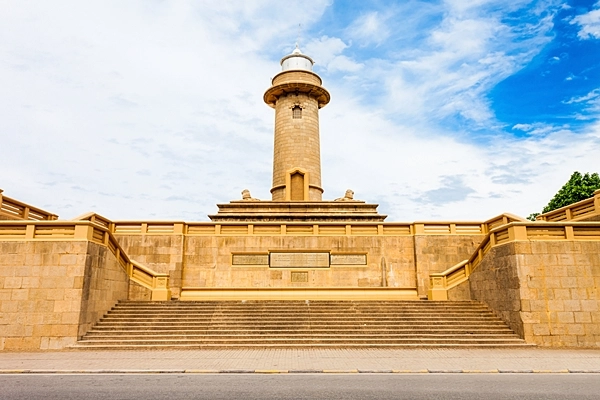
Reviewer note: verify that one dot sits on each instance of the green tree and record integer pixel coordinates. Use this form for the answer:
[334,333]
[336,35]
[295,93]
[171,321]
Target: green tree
[579,187]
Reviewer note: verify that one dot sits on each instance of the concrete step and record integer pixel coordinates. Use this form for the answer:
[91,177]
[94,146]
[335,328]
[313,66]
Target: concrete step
[299,329]
[303,336]
[298,324]
[308,341]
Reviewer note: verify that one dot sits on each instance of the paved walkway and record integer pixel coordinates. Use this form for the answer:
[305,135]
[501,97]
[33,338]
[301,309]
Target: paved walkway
[313,360]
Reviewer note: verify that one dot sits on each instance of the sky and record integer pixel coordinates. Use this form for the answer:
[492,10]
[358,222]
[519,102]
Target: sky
[449,110]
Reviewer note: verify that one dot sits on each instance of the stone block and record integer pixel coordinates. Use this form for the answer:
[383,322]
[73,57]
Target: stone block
[567,341]
[566,282]
[20,294]
[552,283]
[530,317]
[572,305]
[562,294]
[57,343]
[590,305]
[12,282]
[9,306]
[579,294]
[565,317]
[539,330]
[21,343]
[555,305]
[582,317]
[42,330]
[575,329]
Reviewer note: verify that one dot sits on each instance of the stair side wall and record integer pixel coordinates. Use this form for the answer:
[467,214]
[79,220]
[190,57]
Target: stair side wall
[105,283]
[51,291]
[437,253]
[547,291]
[496,283]
[40,293]
[460,292]
[161,253]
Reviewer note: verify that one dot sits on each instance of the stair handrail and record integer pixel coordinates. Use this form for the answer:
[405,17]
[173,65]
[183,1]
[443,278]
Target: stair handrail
[92,231]
[441,282]
[157,282]
[17,209]
[586,208]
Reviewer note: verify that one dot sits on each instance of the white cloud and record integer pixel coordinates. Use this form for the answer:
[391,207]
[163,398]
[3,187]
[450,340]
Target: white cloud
[591,102]
[369,28]
[589,24]
[327,53]
[451,71]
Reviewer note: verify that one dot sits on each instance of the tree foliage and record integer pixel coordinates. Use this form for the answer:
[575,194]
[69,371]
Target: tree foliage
[579,187]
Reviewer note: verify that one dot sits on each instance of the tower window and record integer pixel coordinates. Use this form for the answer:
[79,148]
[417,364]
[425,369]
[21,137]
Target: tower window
[296,112]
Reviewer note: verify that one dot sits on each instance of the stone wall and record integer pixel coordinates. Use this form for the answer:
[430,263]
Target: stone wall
[207,262]
[105,283]
[548,291]
[437,253]
[496,283]
[50,291]
[161,253]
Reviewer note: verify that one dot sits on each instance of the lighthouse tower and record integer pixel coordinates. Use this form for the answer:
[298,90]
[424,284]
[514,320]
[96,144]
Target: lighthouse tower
[296,95]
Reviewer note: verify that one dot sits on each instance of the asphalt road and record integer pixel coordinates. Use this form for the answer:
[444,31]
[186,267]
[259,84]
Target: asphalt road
[300,386]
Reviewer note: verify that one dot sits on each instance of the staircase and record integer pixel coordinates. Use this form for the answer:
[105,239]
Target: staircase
[298,324]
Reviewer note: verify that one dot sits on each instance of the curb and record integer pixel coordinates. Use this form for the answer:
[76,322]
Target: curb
[299,371]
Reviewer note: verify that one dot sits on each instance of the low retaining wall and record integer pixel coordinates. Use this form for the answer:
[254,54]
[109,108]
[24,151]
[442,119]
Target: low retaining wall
[547,291]
[51,292]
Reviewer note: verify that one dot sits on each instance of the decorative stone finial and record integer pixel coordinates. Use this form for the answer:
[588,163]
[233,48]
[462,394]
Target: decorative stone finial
[348,196]
[246,196]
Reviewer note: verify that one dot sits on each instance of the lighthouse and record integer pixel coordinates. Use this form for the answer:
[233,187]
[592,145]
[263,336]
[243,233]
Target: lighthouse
[296,95]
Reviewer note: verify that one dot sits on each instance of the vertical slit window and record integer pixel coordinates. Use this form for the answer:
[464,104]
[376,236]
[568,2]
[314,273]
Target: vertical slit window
[296,112]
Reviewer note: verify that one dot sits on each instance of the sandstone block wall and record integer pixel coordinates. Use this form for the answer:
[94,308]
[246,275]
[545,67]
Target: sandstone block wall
[50,291]
[496,283]
[437,253]
[105,282]
[161,253]
[207,262]
[548,291]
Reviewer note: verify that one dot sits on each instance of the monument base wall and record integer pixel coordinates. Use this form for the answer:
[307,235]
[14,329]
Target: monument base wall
[547,291]
[207,260]
[51,292]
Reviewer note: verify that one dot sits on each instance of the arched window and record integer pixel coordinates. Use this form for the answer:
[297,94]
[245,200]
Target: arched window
[296,112]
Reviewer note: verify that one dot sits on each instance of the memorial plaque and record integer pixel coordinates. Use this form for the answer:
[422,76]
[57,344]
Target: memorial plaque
[299,276]
[348,259]
[250,259]
[299,260]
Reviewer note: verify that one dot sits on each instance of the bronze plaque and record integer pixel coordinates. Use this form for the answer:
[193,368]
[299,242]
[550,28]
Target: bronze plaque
[299,260]
[299,276]
[250,259]
[348,259]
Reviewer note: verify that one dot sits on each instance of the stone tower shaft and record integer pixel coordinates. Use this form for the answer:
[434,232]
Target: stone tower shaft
[296,95]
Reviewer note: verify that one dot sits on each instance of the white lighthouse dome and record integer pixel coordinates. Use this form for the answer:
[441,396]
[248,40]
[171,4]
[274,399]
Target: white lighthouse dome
[297,60]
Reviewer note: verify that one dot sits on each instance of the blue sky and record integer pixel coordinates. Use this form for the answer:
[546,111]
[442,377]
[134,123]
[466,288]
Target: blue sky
[440,110]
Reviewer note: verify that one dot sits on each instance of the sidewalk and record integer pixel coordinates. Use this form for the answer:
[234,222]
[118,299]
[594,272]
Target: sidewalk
[312,360]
